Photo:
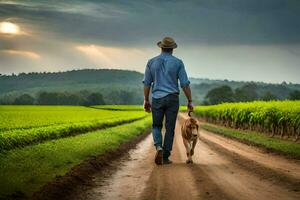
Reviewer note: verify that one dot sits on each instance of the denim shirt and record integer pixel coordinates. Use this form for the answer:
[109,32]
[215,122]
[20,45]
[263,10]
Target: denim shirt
[162,73]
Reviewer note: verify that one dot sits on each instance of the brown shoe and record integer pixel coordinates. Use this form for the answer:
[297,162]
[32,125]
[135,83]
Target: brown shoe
[159,157]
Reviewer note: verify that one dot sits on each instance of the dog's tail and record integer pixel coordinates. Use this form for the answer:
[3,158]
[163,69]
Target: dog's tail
[190,113]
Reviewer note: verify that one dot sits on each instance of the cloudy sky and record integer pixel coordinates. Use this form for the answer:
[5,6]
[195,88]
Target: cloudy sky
[218,39]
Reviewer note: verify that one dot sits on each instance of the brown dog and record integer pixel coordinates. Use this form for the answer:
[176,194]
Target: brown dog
[190,134]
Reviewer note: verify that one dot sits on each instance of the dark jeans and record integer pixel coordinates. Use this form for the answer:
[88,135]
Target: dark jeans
[166,106]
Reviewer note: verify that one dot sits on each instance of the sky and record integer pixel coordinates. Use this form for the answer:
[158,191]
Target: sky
[249,40]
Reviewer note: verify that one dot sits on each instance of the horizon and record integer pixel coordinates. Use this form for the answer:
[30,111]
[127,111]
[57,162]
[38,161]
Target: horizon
[239,40]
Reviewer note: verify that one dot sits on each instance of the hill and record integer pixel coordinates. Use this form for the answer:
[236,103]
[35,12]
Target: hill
[69,79]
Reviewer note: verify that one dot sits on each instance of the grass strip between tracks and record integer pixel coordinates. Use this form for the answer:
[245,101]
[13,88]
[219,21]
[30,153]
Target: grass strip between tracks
[24,171]
[288,148]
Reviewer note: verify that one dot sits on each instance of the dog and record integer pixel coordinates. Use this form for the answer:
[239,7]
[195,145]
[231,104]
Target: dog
[190,135]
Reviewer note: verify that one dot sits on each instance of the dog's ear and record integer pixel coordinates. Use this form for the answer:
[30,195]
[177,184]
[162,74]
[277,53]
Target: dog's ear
[197,124]
[188,123]
[193,121]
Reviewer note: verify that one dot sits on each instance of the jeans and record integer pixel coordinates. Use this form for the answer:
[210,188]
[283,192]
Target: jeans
[167,106]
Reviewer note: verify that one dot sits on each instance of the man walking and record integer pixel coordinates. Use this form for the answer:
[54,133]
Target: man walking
[162,74]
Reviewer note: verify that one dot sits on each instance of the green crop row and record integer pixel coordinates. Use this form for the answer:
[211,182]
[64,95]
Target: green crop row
[28,125]
[280,118]
[22,117]
[20,138]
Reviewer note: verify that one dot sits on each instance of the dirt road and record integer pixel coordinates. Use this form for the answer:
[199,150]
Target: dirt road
[222,169]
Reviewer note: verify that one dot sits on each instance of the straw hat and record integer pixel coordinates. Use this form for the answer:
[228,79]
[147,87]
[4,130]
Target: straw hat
[167,43]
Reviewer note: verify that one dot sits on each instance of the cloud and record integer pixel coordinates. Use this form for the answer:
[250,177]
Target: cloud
[114,57]
[270,63]
[27,54]
[137,23]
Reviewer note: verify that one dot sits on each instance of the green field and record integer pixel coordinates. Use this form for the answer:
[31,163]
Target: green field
[25,125]
[53,139]
[276,118]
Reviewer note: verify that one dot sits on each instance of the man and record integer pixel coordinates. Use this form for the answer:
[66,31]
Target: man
[162,73]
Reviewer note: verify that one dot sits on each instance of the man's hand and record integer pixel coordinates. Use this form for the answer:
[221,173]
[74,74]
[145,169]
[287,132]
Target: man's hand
[188,93]
[147,106]
[190,107]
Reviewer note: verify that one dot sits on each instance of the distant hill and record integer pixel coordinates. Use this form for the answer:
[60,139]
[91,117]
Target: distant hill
[106,81]
[69,79]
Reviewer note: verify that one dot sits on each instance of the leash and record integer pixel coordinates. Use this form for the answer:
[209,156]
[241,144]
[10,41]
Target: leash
[190,113]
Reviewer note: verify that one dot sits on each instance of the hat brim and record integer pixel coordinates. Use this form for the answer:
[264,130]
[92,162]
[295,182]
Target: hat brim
[160,44]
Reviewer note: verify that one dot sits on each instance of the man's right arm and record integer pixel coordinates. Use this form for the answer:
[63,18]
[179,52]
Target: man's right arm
[185,85]
[147,85]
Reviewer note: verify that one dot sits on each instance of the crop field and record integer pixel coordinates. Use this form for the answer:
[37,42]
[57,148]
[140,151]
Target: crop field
[53,139]
[25,125]
[275,118]
[14,117]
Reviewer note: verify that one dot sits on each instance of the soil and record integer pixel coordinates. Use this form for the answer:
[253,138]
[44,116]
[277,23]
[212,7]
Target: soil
[222,169]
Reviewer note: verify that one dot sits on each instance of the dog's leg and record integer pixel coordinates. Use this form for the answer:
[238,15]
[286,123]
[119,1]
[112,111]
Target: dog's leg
[186,145]
[194,144]
[190,152]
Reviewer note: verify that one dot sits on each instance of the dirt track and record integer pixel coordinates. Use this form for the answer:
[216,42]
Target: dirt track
[222,169]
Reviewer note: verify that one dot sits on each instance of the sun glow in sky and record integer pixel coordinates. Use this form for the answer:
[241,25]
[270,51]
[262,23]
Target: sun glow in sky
[27,54]
[112,56]
[9,28]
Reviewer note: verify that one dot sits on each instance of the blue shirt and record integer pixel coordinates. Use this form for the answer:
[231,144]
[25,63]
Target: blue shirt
[162,73]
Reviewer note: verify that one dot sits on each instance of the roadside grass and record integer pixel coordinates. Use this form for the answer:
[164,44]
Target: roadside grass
[120,107]
[288,148]
[26,170]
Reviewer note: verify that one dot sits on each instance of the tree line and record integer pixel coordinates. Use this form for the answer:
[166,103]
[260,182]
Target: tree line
[60,98]
[247,92]
[84,97]
[216,95]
